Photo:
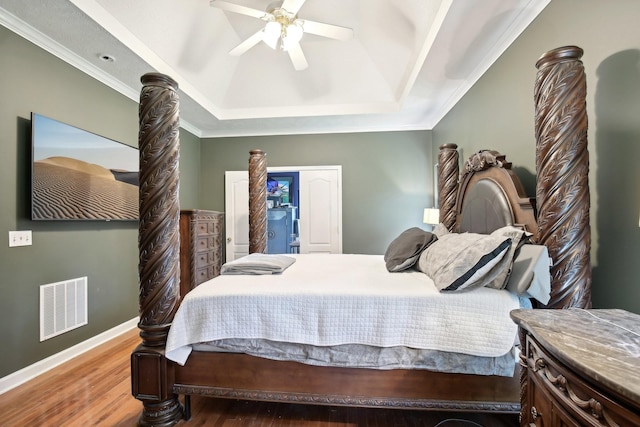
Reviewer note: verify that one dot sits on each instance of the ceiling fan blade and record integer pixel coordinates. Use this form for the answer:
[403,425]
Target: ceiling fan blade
[327,30]
[232,7]
[297,57]
[247,44]
[292,6]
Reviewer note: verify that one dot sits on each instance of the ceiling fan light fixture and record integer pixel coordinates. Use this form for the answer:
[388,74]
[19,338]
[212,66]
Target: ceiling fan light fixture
[271,33]
[291,35]
[282,27]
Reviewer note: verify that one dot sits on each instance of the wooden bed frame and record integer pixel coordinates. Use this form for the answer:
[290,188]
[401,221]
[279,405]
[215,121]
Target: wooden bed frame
[562,224]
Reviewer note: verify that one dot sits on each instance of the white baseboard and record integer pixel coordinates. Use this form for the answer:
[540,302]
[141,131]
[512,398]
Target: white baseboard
[23,375]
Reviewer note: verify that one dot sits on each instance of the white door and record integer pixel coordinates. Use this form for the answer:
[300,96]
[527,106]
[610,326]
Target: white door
[236,205]
[321,210]
[320,224]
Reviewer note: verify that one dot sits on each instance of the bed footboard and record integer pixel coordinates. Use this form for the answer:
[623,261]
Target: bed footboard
[242,376]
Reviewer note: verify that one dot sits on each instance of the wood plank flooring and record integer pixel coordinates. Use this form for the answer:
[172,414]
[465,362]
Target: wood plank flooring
[94,390]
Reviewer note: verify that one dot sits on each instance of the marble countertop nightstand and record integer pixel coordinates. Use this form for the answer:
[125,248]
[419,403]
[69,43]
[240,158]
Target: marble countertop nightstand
[604,345]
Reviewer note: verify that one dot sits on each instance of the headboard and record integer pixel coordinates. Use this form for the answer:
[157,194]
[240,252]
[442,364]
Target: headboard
[491,196]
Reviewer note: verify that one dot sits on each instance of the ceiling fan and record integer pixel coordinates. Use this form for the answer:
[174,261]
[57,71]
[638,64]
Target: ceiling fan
[284,28]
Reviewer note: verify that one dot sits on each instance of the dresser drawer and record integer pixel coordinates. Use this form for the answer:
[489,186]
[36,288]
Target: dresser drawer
[572,397]
[205,243]
[205,227]
[204,274]
[204,259]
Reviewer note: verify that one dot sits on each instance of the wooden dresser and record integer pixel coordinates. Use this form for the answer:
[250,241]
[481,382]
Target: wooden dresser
[582,367]
[200,247]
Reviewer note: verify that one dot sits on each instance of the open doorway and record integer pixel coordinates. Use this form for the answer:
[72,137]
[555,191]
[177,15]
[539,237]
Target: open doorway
[283,210]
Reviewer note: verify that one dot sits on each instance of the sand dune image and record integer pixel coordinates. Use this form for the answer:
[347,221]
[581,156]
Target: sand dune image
[66,188]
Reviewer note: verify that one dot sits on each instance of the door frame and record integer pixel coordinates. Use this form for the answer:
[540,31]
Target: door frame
[281,169]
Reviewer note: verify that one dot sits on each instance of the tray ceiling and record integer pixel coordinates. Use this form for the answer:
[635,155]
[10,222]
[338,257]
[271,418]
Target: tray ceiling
[408,63]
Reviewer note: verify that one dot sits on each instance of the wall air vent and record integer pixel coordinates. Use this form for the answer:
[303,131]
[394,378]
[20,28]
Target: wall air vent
[63,307]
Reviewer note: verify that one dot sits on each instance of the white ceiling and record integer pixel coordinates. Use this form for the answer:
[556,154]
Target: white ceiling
[408,63]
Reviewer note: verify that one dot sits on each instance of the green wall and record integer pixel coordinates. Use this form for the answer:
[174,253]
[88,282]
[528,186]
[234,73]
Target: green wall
[498,113]
[105,252]
[387,177]
[189,170]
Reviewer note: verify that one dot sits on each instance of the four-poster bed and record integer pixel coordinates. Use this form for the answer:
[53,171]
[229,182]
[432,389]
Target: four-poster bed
[487,177]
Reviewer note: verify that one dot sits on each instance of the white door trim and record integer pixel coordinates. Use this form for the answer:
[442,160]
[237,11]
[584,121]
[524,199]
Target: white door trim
[232,227]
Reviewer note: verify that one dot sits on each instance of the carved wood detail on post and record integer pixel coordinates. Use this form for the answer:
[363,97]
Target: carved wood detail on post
[484,159]
[448,175]
[562,163]
[159,225]
[257,201]
[159,247]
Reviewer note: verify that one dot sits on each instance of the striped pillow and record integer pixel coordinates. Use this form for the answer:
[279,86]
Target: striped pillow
[457,262]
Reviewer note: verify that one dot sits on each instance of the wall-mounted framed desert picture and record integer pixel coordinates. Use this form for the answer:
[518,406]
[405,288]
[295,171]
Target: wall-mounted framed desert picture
[78,175]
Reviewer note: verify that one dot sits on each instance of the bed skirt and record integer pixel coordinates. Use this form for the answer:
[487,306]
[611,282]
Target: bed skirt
[364,356]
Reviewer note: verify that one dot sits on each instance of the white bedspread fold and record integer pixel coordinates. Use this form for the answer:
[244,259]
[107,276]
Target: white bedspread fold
[325,299]
[257,263]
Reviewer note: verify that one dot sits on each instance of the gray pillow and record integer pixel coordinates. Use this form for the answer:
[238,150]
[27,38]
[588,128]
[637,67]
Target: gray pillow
[518,238]
[404,250]
[440,230]
[531,276]
[457,262]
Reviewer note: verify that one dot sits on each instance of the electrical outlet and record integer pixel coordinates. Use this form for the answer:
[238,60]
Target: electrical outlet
[20,238]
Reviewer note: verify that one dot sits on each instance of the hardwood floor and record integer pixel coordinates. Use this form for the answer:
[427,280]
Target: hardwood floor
[95,390]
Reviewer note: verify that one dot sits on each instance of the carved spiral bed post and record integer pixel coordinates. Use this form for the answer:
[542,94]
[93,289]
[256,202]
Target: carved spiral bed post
[257,201]
[448,176]
[562,163]
[159,247]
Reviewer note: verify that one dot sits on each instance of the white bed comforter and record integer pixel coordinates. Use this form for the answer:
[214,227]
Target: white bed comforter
[325,299]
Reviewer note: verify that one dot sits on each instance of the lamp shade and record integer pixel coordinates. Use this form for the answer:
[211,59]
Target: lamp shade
[271,33]
[291,36]
[431,216]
